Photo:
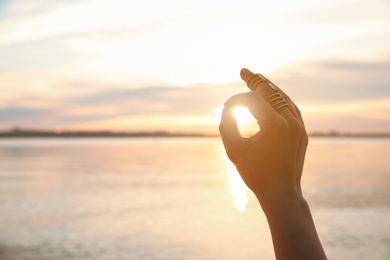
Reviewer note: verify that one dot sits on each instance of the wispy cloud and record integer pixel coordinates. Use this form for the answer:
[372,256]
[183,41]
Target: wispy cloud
[337,80]
[109,104]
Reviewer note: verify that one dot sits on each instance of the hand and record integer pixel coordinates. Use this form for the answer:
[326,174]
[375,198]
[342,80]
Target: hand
[271,161]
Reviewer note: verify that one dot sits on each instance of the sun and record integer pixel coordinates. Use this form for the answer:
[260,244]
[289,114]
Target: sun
[246,123]
[243,115]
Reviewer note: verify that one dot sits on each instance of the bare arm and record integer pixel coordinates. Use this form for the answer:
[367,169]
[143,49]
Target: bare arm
[271,163]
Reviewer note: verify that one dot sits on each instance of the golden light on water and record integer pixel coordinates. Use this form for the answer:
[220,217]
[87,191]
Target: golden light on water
[237,188]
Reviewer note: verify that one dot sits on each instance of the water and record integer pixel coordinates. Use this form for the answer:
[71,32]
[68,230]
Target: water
[179,198]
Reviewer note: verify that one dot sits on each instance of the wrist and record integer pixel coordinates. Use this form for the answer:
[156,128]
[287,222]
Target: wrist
[291,224]
[280,199]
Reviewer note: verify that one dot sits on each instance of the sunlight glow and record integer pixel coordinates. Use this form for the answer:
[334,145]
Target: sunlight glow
[242,115]
[247,124]
[237,188]
[215,116]
[147,65]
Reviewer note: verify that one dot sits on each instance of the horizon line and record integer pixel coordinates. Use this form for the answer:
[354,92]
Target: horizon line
[20,132]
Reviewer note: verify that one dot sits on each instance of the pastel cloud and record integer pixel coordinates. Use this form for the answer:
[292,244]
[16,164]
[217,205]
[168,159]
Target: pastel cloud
[337,80]
[332,95]
[158,102]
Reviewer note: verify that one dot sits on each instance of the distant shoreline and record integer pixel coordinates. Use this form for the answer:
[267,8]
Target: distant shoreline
[21,133]
[47,133]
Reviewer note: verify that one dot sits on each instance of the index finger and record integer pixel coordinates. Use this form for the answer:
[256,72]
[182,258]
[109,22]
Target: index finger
[277,99]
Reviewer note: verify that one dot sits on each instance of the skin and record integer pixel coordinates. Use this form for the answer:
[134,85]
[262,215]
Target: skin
[270,163]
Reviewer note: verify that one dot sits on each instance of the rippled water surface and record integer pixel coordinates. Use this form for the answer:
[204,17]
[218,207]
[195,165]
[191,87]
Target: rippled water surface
[179,198]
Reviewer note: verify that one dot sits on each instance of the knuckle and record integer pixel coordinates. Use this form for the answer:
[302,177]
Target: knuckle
[295,127]
[280,124]
[277,127]
[232,154]
[220,127]
[305,138]
[223,126]
[298,111]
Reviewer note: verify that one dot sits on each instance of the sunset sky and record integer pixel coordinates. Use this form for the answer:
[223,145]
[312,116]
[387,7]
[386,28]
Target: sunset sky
[170,65]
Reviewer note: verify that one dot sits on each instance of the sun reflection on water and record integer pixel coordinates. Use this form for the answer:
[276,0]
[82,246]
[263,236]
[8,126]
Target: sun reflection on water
[237,188]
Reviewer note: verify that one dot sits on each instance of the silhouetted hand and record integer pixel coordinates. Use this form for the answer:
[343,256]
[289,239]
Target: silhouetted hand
[271,162]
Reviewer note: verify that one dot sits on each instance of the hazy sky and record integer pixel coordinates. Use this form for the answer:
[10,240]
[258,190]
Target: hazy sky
[169,65]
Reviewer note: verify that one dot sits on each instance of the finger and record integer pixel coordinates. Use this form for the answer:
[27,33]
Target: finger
[296,110]
[262,111]
[228,129]
[299,115]
[292,107]
[268,90]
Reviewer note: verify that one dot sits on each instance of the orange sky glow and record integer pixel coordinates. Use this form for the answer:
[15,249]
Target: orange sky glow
[170,65]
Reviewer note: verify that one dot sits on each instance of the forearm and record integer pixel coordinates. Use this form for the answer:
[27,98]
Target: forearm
[292,228]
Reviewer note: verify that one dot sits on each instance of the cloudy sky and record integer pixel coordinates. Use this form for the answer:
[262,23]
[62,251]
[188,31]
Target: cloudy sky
[170,65]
